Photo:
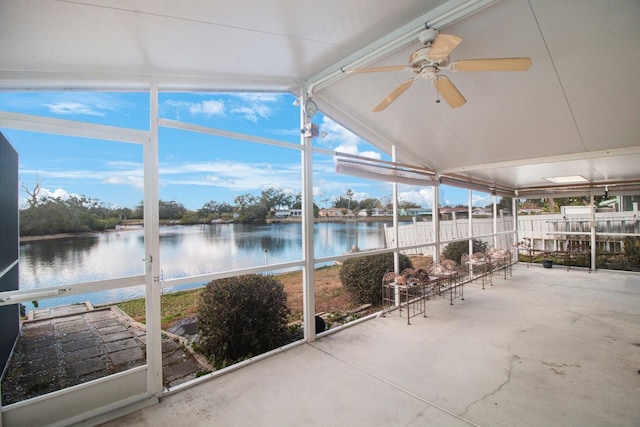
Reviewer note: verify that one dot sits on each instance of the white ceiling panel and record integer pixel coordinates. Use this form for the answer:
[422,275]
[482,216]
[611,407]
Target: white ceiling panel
[573,112]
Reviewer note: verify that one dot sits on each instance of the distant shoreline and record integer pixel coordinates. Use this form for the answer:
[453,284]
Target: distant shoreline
[139,225]
[25,239]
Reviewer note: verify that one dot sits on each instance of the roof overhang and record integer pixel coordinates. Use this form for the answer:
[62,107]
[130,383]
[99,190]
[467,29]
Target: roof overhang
[574,112]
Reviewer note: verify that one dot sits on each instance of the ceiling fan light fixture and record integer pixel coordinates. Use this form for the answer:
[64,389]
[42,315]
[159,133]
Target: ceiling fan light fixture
[429,73]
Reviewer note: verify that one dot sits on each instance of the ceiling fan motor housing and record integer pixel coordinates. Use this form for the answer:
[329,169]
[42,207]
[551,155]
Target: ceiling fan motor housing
[428,36]
[426,67]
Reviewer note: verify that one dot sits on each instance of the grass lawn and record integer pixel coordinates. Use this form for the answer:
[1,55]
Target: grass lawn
[331,297]
[174,306]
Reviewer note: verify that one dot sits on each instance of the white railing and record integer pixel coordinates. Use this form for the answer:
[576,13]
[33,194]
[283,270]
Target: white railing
[543,233]
[550,232]
[421,235]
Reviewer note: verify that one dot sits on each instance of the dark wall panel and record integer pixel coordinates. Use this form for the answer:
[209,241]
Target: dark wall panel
[9,246]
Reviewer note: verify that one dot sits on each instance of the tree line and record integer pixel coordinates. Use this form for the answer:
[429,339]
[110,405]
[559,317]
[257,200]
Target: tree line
[54,215]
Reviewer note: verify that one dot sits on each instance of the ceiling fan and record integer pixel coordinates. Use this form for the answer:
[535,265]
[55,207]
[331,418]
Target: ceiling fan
[433,57]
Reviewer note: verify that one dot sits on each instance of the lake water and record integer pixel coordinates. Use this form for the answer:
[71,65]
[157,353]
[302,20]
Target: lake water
[184,251]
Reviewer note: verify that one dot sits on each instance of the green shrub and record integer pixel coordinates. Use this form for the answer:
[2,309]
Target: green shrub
[362,277]
[632,251]
[110,223]
[240,317]
[456,250]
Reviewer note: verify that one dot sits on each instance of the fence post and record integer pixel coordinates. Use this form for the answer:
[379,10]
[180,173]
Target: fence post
[594,249]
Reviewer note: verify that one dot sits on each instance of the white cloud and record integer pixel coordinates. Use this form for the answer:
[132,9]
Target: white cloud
[371,154]
[73,108]
[259,96]
[254,106]
[57,193]
[422,197]
[481,199]
[250,106]
[130,180]
[253,112]
[344,141]
[45,193]
[206,108]
[233,175]
[76,103]
[360,195]
[116,173]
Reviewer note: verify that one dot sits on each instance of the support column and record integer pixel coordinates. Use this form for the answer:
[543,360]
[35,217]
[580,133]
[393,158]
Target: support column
[152,249]
[308,276]
[494,198]
[593,236]
[396,232]
[470,221]
[516,226]
[435,215]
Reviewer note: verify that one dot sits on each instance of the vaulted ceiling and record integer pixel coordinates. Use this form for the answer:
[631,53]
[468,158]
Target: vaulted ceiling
[574,112]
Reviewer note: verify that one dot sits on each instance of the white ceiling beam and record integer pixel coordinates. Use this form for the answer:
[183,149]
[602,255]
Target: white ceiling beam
[551,159]
[127,82]
[439,17]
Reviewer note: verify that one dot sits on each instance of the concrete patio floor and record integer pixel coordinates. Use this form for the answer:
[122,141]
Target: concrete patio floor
[546,347]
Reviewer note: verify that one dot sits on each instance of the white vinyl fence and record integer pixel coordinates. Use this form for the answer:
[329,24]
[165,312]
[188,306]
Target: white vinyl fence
[422,233]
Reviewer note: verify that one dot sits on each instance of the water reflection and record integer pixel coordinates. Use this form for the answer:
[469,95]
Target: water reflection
[184,251]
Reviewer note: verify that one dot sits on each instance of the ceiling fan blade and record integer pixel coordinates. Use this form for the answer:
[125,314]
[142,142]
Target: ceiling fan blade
[449,92]
[393,95]
[491,64]
[443,45]
[378,69]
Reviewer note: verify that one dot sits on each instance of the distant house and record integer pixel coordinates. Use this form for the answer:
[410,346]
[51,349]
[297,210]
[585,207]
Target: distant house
[288,213]
[381,212]
[482,212]
[451,212]
[415,211]
[529,209]
[333,212]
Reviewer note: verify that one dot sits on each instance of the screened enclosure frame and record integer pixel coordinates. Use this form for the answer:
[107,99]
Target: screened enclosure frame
[145,383]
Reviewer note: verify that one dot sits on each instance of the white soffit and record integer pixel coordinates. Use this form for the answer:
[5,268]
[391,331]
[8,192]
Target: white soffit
[201,44]
[578,98]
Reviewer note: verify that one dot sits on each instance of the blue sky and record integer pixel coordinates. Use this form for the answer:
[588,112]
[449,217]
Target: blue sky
[194,168]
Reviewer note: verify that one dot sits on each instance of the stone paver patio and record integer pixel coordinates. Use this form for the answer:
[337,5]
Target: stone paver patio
[65,346]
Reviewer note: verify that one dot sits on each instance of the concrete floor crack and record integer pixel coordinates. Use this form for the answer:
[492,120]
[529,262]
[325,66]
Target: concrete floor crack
[512,361]
[509,372]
